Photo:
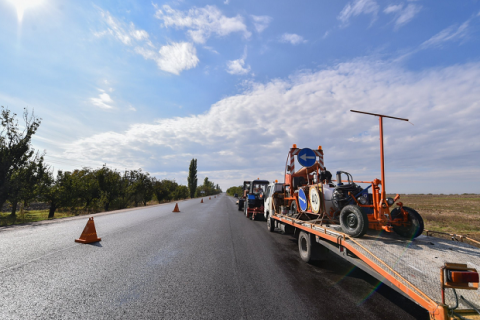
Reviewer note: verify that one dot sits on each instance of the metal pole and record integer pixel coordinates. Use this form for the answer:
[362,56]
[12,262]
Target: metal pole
[382,159]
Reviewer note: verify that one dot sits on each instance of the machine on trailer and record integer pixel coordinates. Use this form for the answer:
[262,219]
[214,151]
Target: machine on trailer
[311,195]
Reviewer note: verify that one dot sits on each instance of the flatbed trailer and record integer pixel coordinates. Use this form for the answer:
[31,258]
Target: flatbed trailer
[414,268]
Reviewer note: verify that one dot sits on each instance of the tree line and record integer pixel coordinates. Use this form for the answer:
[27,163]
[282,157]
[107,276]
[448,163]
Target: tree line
[26,178]
[235,190]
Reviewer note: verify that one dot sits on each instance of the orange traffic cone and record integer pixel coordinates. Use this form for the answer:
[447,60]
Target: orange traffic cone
[176,208]
[215,196]
[89,234]
[209,198]
[201,201]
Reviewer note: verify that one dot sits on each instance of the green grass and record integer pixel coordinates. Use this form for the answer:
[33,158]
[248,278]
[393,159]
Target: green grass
[31,216]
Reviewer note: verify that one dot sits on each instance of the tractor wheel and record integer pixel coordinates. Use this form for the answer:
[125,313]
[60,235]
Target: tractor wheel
[240,205]
[270,224]
[416,223]
[293,208]
[353,221]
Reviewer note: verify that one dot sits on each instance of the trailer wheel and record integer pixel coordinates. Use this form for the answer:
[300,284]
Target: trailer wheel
[270,224]
[240,205]
[353,221]
[416,223]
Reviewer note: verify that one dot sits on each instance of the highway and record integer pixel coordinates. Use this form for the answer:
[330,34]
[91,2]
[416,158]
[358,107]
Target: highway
[206,262]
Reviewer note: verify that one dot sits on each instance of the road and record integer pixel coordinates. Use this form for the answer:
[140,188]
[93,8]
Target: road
[206,262]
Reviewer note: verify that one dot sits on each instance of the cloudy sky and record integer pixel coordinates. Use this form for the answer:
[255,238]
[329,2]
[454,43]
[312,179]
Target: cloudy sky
[234,84]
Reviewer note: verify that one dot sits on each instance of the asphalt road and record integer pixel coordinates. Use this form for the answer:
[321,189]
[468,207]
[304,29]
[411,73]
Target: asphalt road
[206,262]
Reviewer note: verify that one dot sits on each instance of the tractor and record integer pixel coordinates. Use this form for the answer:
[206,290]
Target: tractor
[310,194]
[255,199]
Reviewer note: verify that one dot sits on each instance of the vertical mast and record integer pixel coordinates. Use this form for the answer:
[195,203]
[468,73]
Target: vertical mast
[382,156]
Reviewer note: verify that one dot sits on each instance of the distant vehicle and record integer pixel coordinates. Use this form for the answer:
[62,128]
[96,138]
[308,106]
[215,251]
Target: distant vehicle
[274,191]
[235,195]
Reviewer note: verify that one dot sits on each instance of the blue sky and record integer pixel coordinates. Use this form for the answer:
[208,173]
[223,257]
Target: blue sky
[235,83]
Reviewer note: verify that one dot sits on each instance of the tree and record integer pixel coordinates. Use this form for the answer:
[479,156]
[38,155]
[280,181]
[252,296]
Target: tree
[164,190]
[59,192]
[24,180]
[109,183]
[15,147]
[86,186]
[192,177]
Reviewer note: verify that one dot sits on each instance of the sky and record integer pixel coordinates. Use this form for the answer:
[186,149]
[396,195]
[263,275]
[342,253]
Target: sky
[233,84]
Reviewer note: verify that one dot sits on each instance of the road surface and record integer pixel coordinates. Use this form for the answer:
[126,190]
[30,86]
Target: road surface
[206,262]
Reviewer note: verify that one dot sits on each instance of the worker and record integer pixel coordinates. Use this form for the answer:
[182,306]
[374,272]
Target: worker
[325,176]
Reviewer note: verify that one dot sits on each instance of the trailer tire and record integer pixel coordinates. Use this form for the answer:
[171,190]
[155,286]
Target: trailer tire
[353,221]
[412,231]
[270,224]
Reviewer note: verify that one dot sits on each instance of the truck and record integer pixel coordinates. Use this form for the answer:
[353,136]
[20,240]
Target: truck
[274,188]
[254,199]
[341,217]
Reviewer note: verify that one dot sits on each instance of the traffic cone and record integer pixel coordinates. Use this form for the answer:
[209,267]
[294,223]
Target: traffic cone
[89,234]
[201,201]
[209,198]
[176,208]
[215,196]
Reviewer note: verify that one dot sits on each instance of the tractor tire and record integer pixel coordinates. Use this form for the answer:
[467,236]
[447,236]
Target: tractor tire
[416,227]
[240,205]
[270,224]
[353,221]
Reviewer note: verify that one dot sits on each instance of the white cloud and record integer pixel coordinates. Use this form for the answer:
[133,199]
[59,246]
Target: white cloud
[261,22]
[120,31]
[173,58]
[292,38]
[356,8]
[393,8]
[103,101]
[202,22]
[403,15]
[310,109]
[451,33]
[237,66]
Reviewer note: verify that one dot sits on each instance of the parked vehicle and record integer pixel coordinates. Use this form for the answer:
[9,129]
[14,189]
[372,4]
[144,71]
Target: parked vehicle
[254,200]
[274,188]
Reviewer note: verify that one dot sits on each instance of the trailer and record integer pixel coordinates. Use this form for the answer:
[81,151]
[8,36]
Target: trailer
[438,274]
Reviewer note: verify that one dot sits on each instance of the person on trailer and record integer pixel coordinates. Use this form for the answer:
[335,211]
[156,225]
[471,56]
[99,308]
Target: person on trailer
[325,176]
